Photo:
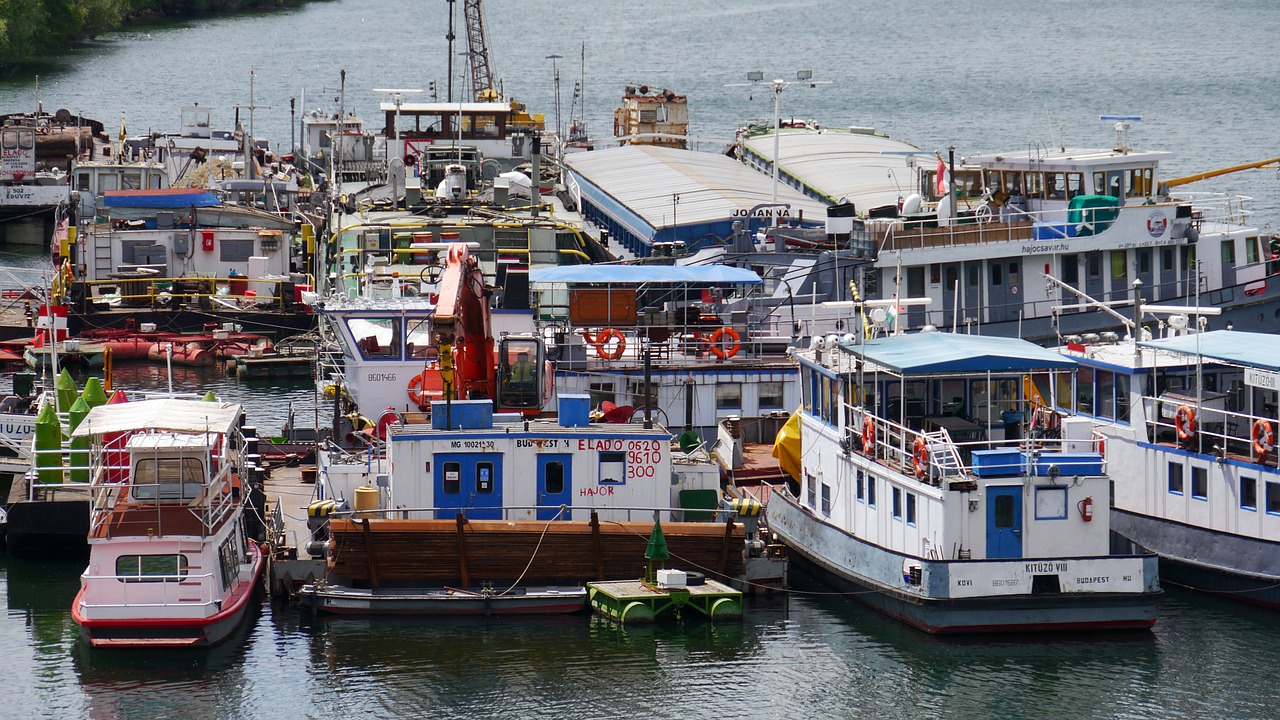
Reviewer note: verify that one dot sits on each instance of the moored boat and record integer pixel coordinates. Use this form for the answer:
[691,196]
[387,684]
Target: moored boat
[915,489]
[170,562]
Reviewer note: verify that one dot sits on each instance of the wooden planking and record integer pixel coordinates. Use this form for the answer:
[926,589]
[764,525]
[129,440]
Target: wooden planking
[428,550]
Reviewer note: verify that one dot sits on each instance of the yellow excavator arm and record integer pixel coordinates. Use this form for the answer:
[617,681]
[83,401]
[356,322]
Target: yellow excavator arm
[1169,184]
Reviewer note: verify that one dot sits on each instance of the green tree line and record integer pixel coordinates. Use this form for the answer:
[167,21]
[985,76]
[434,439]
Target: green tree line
[33,29]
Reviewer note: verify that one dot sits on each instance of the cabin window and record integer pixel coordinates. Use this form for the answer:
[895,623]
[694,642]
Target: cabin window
[1273,498]
[1075,185]
[1199,483]
[484,478]
[1144,262]
[770,394]
[1012,182]
[132,181]
[229,562]
[729,396]
[613,468]
[1104,407]
[974,274]
[600,392]
[1138,180]
[953,277]
[1175,478]
[1065,395]
[1004,511]
[825,386]
[1251,255]
[811,490]
[640,398]
[1051,503]
[870,283]
[1070,269]
[1249,493]
[1084,391]
[235,250]
[1228,253]
[935,273]
[1095,265]
[911,509]
[897,503]
[107,181]
[997,274]
[82,181]
[871,489]
[553,477]
[1035,184]
[376,338]
[1099,183]
[1055,186]
[418,338]
[860,485]
[1166,259]
[806,388]
[151,568]
[1122,398]
[826,499]
[167,479]
[452,479]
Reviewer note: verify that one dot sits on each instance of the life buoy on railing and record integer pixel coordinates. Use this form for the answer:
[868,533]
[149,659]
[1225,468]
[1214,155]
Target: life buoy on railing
[734,342]
[416,394]
[868,434]
[1184,422]
[1264,439]
[920,458]
[601,342]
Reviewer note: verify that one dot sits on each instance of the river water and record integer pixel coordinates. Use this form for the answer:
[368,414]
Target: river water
[979,76]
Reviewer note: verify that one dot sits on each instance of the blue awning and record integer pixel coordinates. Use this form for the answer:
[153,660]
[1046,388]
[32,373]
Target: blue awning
[166,198]
[623,274]
[1259,350]
[928,353]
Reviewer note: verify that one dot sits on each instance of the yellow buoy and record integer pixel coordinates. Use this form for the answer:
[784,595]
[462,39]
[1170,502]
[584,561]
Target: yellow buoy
[366,502]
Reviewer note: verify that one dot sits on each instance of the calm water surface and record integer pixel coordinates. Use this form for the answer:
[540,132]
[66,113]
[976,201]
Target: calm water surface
[983,77]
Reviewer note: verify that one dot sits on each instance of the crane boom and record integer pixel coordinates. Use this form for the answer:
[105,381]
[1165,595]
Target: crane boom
[478,52]
[1168,184]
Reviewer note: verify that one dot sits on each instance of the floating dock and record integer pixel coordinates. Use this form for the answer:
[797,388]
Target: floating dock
[272,366]
[632,602]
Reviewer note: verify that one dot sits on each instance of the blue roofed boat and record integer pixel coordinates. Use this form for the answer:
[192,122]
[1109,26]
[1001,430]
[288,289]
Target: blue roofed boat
[918,486]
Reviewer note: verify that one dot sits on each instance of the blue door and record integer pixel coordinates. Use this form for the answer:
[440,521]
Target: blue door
[555,485]
[1004,522]
[470,483]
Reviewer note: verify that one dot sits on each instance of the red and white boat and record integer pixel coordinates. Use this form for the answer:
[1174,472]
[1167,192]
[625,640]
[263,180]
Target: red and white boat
[170,564]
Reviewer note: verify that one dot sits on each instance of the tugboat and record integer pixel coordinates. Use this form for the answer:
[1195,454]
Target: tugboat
[916,488]
[170,561]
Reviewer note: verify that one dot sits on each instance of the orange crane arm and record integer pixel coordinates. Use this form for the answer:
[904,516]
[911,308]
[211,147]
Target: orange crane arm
[1167,184]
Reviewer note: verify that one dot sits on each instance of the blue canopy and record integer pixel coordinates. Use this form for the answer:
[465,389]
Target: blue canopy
[1259,350]
[928,353]
[620,274]
[166,198]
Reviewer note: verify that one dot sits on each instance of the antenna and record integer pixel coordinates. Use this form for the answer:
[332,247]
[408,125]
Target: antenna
[1122,123]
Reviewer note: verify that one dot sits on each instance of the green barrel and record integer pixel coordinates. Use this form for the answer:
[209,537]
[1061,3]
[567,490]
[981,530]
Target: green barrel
[79,445]
[93,394]
[66,388]
[48,437]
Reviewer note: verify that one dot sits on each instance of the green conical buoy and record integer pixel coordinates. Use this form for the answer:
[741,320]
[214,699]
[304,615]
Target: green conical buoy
[66,388]
[93,394]
[655,550]
[79,445]
[210,397]
[48,447]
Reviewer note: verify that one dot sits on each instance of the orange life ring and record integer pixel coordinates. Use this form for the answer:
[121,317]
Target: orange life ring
[920,458]
[1264,438]
[601,342]
[1184,421]
[868,434]
[416,394]
[720,334]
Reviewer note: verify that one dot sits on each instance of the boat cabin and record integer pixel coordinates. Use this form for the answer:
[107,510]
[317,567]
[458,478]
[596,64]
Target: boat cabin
[499,131]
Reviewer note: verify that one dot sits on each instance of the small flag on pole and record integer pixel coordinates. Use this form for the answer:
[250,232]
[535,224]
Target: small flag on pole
[940,180]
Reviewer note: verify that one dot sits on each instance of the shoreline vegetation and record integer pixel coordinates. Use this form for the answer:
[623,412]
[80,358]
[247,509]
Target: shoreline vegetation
[32,31]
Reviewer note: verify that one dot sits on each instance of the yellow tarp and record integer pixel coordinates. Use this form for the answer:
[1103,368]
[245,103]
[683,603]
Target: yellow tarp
[786,447]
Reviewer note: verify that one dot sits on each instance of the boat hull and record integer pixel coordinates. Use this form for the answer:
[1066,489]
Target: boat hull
[144,632]
[813,544]
[443,601]
[1235,567]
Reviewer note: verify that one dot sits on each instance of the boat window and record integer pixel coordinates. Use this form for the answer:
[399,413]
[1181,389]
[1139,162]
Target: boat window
[1249,493]
[806,388]
[235,249]
[613,468]
[132,181]
[871,489]
[82,181]
[553,477]
[1228,253]
[1012,182]
[151,568]
[953,277]
[1199,483]
[973,276]
[1004,511]
[1175,478]
[484,478]
[229,562]
[1035,184]
[376,338]
[1065,396]
[1051,503]
[1138,180]
[729,396]
[108,181]
[1251,255]
[897,503]
[417,338]
[1119,265]
[1095,265]
[167,479]
[1015,270]
[1055,186]
[826,499]
[770,393]
[1166,259]
[860,485]
[600,392]
[811,490]
[1084,391]
[1075,185]
[1070,269]
[1122,397]
[911,508]
[451,480]
[997,274]
[1273,498]
[870,283]
[935,273]
[1106,395]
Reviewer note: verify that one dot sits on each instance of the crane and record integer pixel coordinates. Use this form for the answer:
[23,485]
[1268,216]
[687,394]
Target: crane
[478,52]
[516,377]
[1186,179]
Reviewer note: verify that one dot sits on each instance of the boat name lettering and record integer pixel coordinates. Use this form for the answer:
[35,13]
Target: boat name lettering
[1008,582]
[382,377]
[472,444]
[762,212]
[964,583]
[542,443]
[1253,377]
[596,491]
[17,193]
[598,444]
[1096,580]
[1046,567]
[1045,248]
[17,428]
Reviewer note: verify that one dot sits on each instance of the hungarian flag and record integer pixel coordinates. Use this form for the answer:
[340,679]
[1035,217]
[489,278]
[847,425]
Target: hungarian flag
[940,179]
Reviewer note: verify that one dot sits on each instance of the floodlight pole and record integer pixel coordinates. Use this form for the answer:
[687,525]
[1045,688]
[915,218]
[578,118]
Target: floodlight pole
[778,87]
